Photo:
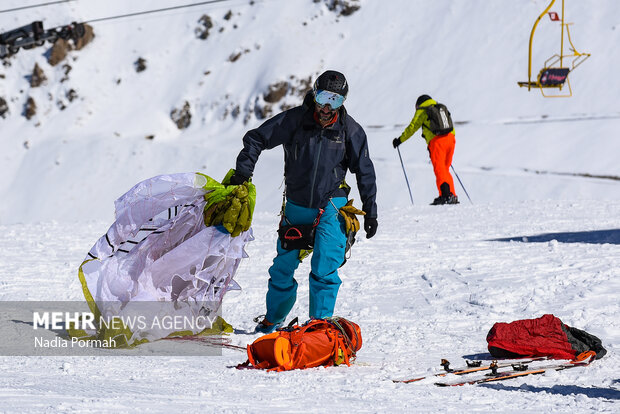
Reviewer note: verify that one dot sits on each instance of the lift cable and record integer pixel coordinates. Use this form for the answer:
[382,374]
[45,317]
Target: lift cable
[34,6]
[184,6]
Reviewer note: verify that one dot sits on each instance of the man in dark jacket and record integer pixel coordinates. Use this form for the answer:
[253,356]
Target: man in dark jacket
[321,142]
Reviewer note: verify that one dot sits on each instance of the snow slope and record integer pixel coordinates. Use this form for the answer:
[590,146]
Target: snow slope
[543,234]
[435,296]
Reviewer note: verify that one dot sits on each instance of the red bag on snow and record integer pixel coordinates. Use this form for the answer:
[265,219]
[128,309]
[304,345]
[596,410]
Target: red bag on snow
[318,342]
[545,336]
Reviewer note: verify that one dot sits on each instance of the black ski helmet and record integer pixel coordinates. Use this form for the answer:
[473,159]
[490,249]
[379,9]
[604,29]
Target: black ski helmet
[332,81]
[421,100]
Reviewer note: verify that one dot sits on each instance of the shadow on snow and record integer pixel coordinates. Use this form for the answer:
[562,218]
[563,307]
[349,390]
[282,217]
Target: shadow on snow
[591,237]
[591,392]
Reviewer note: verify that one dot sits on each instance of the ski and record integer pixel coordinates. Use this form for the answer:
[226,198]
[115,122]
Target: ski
[521,370]
[472,366]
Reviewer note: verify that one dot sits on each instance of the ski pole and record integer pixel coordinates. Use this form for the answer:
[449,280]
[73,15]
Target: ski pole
[461,182]
[405,172]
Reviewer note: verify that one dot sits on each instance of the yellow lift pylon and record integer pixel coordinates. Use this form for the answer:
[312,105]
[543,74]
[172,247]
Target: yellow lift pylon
[551,75]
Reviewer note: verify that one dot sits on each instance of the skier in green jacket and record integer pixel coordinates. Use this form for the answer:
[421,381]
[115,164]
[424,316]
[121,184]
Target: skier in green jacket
[440,147]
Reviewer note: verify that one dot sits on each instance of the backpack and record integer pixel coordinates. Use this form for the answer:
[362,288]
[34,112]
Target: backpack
[318,342]
[439,119]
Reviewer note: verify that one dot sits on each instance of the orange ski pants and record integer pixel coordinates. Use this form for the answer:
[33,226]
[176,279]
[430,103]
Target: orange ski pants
[441,149]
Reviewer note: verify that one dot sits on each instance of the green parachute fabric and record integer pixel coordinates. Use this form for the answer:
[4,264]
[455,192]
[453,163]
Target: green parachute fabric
[160,256]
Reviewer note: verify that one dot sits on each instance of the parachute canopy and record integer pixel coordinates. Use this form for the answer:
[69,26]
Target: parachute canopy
[160,251]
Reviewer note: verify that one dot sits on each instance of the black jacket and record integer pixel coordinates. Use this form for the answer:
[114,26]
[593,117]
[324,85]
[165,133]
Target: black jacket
[316,159]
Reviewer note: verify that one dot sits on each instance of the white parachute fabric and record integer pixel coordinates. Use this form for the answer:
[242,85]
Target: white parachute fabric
[159,250]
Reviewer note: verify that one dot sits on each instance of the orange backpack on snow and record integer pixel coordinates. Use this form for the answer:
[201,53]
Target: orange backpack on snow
[318,342]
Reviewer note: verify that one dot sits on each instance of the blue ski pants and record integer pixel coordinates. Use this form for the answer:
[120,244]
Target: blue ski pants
[328,255]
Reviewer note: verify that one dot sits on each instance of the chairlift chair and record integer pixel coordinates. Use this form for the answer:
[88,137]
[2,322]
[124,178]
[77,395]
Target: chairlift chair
[554,75]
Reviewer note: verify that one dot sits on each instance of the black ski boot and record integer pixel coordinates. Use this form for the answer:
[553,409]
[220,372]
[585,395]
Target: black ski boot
[446,196]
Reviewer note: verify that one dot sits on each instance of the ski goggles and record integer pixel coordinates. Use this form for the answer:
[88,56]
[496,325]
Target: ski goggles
[328,98]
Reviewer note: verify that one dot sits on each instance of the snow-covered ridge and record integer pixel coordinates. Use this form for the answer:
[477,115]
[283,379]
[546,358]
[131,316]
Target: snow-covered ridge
[259,58]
